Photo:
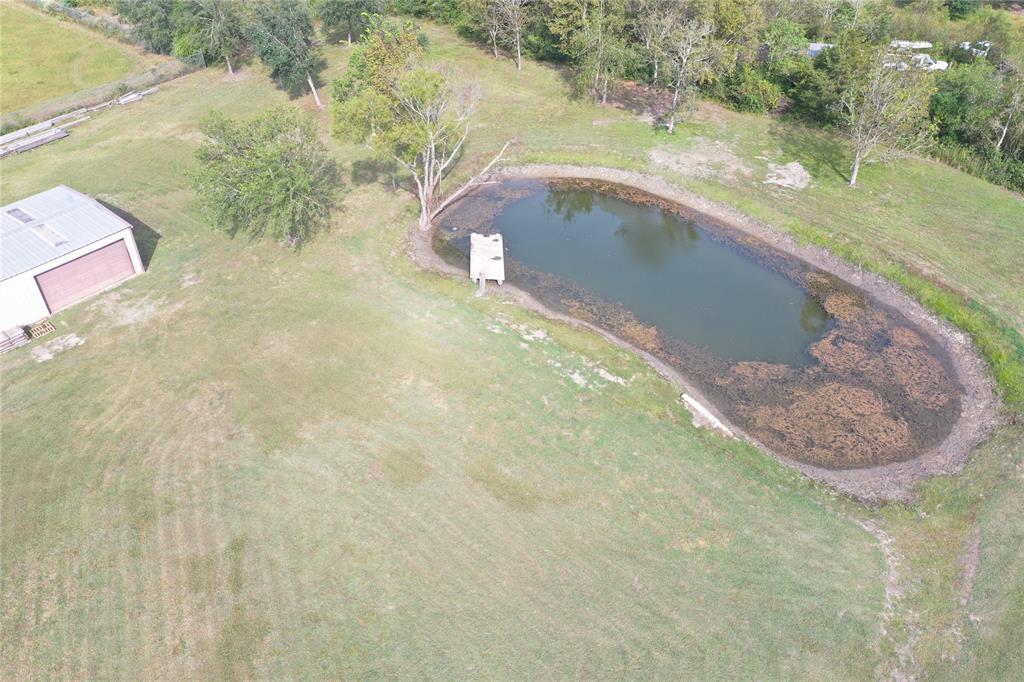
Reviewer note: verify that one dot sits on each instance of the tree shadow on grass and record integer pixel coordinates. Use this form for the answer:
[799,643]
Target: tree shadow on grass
[374,171]
[146,237]
[819,151]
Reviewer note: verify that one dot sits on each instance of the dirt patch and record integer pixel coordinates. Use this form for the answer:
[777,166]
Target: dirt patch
[791,176]
[707,158]
[121,312]
[239,76]
[898,667]
[50,349]
[904,394]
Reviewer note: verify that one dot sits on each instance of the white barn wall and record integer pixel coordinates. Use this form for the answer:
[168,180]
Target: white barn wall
[21,302]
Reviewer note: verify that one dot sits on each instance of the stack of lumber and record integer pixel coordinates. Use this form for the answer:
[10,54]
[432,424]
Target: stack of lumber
[33,141]
[55,129]
[41,133]
[12,338]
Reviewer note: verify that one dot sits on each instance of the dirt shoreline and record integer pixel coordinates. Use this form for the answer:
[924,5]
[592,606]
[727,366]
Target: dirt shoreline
[876,484]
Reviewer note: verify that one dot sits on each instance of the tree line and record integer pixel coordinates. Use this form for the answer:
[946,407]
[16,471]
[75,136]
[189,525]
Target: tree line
[753,55]
[283,34]
[418,117]
[757,55]
[272,176]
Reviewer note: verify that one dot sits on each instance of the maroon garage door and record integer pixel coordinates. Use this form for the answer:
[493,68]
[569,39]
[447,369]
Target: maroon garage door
[86,275]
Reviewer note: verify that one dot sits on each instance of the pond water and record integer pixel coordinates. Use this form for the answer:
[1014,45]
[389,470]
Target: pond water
[806,363]
[666,270]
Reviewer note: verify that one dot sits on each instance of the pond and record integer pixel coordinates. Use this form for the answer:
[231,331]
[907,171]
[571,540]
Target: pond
[666,270]
[801,360]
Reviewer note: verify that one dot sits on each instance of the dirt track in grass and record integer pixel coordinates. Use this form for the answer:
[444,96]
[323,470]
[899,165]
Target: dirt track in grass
[896,395]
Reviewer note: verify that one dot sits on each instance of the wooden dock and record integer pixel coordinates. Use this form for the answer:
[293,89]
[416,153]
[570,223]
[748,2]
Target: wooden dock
[486,258]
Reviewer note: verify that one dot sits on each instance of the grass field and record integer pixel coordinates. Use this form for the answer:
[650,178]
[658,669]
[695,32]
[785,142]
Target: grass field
[270,464]
[43,58]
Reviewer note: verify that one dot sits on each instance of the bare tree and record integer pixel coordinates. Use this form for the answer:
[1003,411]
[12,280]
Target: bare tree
[512,18]
[691,57]
[884,111]
[429,131]
[485,15]
[1012,81]
[431,127]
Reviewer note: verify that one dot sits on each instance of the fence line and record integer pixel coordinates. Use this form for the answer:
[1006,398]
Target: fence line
[108,27]
[154,75]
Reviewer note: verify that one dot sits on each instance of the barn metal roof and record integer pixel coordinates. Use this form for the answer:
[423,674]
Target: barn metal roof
[48,225]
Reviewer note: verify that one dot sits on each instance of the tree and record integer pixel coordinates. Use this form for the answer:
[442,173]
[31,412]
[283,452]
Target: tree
[966,101]
[220,29]
[782,40]
[816,92]
[1011,109]
[419,118]
[387,51]
[487,14]
[691,57]
[885,110]
[270,176]
[153,22]
[512,18]
[593,34]
[422,124]
[737,25]
[349,16]
[958,9]
[652,22]
[284,37]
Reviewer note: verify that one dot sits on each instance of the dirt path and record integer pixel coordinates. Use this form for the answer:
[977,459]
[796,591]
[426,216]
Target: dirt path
[876,484]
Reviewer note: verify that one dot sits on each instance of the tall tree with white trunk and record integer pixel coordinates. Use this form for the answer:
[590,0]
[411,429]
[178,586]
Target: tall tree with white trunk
[884,111]
[1011,111]
[418,117]
[513,16]
[284,37]
[691,56]
[652,22]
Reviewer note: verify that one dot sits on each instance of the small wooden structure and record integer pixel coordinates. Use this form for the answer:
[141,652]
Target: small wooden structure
[486,258]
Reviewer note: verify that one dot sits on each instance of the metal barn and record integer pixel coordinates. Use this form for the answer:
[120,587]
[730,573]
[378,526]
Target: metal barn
[57,248]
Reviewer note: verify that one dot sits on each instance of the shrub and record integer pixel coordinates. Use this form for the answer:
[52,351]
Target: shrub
[747,89]
[988,164]
[958,9]
[186,44]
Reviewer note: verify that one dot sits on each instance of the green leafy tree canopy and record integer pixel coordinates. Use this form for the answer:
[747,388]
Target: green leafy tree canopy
[270,176]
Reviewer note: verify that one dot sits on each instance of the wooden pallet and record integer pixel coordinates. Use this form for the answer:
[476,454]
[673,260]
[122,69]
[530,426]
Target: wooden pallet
[40,329]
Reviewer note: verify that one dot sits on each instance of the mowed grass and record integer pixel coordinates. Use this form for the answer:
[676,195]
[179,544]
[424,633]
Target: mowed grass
[42,57]
[327,463]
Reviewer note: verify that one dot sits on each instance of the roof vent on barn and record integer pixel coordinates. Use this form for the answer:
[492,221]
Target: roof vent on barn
[49,235]
[20,215]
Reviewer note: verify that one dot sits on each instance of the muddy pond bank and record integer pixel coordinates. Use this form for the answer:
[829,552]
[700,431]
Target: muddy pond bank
[883,394]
